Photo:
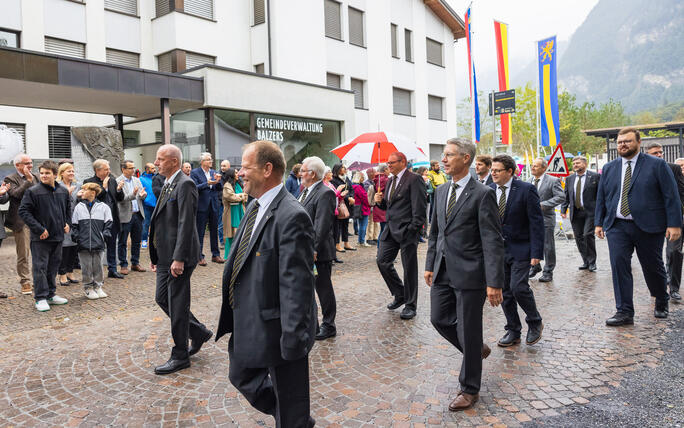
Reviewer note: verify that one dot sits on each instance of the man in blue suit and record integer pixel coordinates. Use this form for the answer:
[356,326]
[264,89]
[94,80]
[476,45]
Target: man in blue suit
[636,206]
[208,185]
[522,224]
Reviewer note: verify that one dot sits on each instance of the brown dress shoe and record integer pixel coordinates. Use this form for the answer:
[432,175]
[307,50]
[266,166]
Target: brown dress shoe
[202,262]
[486,350]
[463,401]
[123,271]
[26,288]
[217,259]
[138,268]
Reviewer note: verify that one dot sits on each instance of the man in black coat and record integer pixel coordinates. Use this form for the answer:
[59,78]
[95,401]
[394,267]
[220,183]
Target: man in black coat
[464,264]
[405,202]
[174,253]
[268,293]
[111,194]
[319,202]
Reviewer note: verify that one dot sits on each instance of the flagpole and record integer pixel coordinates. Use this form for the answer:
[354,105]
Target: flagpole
[536,99]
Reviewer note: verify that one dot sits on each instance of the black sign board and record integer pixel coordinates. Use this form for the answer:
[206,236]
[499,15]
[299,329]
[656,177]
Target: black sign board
[504,102]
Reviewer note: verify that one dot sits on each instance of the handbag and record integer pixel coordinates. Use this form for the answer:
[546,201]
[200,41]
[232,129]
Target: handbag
[342,211]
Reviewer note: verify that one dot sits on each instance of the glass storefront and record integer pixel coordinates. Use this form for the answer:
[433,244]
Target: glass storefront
[187,132]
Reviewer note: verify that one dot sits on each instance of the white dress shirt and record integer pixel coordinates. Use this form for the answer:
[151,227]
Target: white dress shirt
[309,189]
[508,191]
[170,179]
[207,174]
[130,186]
[541,180]
[264,202]
[397,179]
[622,182]
[483,180]
[461,185]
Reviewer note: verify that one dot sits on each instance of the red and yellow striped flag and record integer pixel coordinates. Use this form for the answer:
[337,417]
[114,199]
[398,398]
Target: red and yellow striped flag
[501,35]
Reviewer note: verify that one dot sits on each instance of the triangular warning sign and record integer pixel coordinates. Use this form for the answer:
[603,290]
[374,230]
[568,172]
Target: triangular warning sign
[558,167]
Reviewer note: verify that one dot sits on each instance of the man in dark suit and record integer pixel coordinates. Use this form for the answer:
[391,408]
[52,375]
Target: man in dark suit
[319,202]
[405,200]
[637,205]
[209,185]
[522,224]
[551,195]
[174,253]
[483,163]
[464,264]
[673,249]
[268,293]
[111,195]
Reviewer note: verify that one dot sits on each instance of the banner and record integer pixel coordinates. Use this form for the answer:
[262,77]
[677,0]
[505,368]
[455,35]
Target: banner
[548,91]
[501,35]
[471,78]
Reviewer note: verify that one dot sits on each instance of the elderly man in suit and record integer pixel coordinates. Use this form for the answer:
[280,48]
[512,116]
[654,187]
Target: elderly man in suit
[405,202]
[580,201]
[209,186]
[464,264]
[319,202]
[174,253]
[636,207]
[268,293]
[131,217]
[551,195]
[522,224]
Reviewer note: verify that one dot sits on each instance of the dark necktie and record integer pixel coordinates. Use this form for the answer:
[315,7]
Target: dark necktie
[578,192]
[242,249]
[502,202]
[536,183]
[304,193]
[162,198]
[626,183]
[391,195]
[452,200]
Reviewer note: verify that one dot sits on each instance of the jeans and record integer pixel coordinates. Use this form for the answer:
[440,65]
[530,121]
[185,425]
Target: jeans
[363,225]
[146,224]
[46,257]
[134,228]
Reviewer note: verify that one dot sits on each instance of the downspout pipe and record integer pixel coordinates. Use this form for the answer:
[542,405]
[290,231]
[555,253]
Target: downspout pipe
[268,23]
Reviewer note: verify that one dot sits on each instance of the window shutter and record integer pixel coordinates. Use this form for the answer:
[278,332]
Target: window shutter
[162,7]
[333,22]
[20,128]
[408,45]
[118,57]
[195,60]
[64,47]
[434,52]
[59,142]
[125,6]
[435,108]
[164,63]
[333,80]
[356,27]
[357,87]
[259,12]
[402,101]
[203,8]
[393,36]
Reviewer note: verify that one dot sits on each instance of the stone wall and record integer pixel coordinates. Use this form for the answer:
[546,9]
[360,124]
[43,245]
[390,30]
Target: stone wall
[89,143]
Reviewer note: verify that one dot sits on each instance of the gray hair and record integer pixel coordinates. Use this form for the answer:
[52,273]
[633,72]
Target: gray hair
[175,152]
[315,164]
[204,156]
[327,170]
[382,167]
[543,162]
[653,145]
[580,158]
[99,164]
[679,160]
[464,146]
[20,157]
[358,177]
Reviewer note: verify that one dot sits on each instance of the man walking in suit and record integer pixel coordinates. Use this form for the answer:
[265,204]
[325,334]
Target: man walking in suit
[522,224]
[209,186]
[268,293]
[464,264]
[405,200]
[174,253]
[319,202]
[580,198]
[551,195]
[131,217]
[637,205]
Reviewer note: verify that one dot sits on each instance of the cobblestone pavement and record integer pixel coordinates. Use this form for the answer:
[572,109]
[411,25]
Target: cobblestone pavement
[90,363]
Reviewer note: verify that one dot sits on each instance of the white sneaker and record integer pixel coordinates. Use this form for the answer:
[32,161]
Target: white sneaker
[42,305]
[143,244]
[92,294]
[100,292]
[365,244]
[56,300]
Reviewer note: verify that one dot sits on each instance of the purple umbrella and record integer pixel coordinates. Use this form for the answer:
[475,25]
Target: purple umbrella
[360,166]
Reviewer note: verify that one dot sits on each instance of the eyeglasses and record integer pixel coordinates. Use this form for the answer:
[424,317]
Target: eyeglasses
[496,171]
[392,162]
[624,142]
[449,155]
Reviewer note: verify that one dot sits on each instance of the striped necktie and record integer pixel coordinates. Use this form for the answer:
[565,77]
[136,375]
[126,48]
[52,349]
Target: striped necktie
[626,184]
[502,202]
[242,249]
[394,181]
[452,200]
[304,193]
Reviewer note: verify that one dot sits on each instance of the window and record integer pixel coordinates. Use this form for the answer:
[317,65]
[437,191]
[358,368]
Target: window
[434,52]
[402,101]
[435,107]
[9,39]
[157,136]
[333,21]
[59,142]
[20,128]
[129,59]
[408,45]
[162,7]
[125,6]
[201,8]
[333,80]
[393,29]
[357,87]
[165,62]
[64,47]
[259,68]
[356,27]
[195,60]
[259,12]
[131,137]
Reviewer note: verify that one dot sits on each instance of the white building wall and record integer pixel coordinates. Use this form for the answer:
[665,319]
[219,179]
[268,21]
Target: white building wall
[10,17]
[64,20]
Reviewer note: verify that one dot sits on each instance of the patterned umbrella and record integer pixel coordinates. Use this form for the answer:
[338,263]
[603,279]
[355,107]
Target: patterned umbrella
[375,147]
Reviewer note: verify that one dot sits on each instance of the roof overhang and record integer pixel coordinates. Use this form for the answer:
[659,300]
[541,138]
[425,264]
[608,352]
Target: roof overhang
[442,9]
[612,132]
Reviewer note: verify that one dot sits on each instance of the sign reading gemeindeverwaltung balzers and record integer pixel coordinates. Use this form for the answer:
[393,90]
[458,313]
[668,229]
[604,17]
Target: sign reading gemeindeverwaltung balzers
[273,129]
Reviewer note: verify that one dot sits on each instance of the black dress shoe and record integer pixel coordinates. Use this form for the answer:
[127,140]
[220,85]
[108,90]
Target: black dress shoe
[535,270]
[312,422]
[584,266]
[396,303]
[534,333]
[509,339]
[338,261]
[592,267]
[195,347]
[546,277]
[407,313]
[172,366]
[73,281]
[661,312]
[676,297]
[325,333]
[114,274]
[619,319]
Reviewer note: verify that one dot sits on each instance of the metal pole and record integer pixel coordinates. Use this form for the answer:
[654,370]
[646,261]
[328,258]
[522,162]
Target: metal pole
[165,121]
[493,127]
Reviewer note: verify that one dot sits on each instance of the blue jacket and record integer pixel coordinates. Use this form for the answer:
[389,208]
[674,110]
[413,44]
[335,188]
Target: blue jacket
[146,180]
[653,198]
[208,199]
[292,184]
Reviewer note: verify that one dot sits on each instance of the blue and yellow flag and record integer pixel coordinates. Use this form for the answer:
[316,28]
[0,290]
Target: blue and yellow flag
[547,51]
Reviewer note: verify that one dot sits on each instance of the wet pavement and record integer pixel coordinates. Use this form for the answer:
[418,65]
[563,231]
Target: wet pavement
[90,363]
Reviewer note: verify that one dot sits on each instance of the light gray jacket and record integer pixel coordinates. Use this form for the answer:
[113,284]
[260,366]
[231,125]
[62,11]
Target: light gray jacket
[551,194]
[126,206]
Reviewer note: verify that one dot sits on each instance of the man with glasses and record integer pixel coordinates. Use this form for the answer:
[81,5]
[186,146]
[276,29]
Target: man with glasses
[131,217]
[209,187]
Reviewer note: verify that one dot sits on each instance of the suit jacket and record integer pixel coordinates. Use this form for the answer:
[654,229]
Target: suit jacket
[679,179]
[320,205]
[523,222]
[173,233]
[589,192]
[406,212]
[126,206]
[653,199]
[208,194]
[18,186]
[551,194]
[470,240]
[488,181]
[110,196]
[274,318]
[157,183]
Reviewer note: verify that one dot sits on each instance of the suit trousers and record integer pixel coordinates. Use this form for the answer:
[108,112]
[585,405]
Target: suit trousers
[673,252]
[549,248]
[583,229]
[111,252]
[46,259]
[517,292]
[173,297]
[387,253]
[22,239]
[326,294]
[204,217]
[623,238]
[281,391]
[457,316]
[134,228]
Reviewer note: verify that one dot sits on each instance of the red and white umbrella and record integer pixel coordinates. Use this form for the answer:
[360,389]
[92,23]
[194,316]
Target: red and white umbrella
[375,147]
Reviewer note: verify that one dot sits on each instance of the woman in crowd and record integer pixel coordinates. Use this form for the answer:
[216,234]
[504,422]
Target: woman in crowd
[233,206]
[65,176]
[341,225]
[379,182]
[361,208]
[327,177]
